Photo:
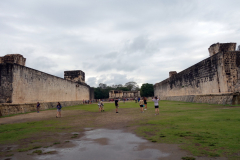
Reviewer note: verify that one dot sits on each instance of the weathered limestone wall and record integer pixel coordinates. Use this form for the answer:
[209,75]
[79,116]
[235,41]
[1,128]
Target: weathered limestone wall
[6,79]
[8,109]
[211,98]
[218,74]
[30,86]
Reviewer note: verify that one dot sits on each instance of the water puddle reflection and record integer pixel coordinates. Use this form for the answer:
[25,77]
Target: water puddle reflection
[104,144]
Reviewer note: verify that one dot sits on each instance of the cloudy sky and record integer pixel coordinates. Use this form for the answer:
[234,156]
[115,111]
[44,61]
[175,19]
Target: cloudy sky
[116,41]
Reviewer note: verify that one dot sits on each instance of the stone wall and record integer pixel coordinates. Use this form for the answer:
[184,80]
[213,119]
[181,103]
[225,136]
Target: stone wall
[21,84]
[218,74]
[9,109]
[211,98]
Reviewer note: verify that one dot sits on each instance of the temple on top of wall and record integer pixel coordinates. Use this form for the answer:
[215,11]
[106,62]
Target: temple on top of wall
[213,80]
[123,94]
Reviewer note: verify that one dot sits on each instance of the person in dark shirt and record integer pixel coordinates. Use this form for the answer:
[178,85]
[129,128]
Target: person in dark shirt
[116,104]
[59,107]
[38,107]
[145,103]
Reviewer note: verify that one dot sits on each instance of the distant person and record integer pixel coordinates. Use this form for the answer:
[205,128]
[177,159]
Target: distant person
[59,107]
[145,103]
[116,105]
[102,104]
[155,100]
[135,99]
[99,106]
[38,107]
[138,99]
[141,105]
[123,100]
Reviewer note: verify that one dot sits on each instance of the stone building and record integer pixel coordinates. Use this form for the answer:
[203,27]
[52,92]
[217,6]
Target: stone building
[213,80]
[123,94]
[20,84]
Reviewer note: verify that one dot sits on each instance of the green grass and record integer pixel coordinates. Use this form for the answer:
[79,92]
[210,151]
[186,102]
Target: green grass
[107,106]
[202,129]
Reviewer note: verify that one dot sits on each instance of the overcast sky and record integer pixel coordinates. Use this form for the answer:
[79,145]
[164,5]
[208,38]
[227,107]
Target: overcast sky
[116,41]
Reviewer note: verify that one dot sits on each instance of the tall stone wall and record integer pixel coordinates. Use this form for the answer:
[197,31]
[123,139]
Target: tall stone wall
[217,74]
[21,84]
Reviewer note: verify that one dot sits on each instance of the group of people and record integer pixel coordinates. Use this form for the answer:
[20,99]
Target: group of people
[59,107]
[142,103]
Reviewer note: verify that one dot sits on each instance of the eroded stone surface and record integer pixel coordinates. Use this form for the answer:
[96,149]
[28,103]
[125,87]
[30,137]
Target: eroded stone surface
[217,74]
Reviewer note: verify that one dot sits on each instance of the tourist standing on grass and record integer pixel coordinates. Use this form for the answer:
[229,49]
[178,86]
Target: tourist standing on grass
[145,103]
[156,105]
[116,105]
[99,106]
[135,99]
[38,107]
[102,108]
[141,105]
[59,107]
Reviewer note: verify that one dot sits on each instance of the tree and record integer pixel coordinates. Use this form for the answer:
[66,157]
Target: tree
[238,48]
[147,90]
[103,86]
[132,86]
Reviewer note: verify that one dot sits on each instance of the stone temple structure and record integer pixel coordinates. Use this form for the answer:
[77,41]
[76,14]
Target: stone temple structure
[213,80]
[20,85]
[123,94]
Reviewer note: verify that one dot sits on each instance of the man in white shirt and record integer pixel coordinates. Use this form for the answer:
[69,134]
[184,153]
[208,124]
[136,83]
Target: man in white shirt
[156,105]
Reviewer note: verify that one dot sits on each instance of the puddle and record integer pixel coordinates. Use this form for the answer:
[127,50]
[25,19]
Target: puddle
[104,144]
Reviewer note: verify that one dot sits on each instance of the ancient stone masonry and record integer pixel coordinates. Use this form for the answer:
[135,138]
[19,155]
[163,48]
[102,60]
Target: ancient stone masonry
[212,80]
[123,94]
[20,84]
[75,76]
[13,58]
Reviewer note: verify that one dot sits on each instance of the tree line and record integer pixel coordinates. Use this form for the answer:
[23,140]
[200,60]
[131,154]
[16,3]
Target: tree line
[102,91]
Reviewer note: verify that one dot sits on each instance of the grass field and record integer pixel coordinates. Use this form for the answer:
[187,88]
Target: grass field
[202,129]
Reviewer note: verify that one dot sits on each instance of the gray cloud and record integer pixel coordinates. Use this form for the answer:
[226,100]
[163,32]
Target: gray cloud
[116,41]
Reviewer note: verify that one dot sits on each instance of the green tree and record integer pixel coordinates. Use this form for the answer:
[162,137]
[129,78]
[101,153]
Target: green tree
[147,90]
[132,86]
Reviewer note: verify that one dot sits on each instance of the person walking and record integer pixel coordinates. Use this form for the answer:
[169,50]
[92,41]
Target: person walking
[102,108]
[141,105]
[135,99]
[156,105]
[59,107]
[99,106]
[38,107]
[145,103]
[116,105]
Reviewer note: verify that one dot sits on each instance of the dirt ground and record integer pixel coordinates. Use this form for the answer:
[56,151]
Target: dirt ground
[79,120]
